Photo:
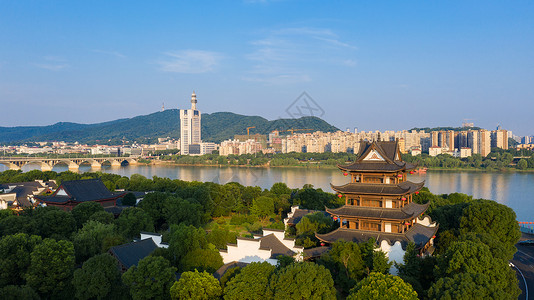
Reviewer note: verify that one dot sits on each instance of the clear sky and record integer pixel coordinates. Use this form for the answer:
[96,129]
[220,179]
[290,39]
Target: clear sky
[374,65]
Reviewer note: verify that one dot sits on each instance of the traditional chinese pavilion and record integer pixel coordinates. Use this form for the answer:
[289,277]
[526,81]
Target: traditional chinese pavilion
[71,193]
[378,203]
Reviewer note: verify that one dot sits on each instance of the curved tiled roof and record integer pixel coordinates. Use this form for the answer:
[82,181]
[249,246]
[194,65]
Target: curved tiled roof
[81,191]
[378,166]
[402,188]
[418,234]
[389,152]
[410,211]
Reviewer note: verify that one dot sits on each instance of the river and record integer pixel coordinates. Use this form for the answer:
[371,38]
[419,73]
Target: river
[513,189]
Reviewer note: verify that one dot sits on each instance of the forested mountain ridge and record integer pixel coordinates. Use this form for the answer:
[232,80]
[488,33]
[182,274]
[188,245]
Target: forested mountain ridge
[216,127]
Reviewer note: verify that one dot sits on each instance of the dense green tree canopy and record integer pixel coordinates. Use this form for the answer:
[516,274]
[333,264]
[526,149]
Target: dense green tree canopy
[196,285]
[88,240]
[132,221]
[487,216]
[316,222]
[303,281]
[345,263]
[382,287]
[97,278]
[177,210]
[262,206]
[209,260]
[102,217]
[476,258]
[151,279]
[129,199]
[52,264]
[15,257]
[83,211]
[14,292]
[251,283]
[184,239]
[466,286]
[52,222]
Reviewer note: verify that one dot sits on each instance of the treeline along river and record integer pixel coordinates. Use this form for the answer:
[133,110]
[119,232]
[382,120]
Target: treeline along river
[514,189]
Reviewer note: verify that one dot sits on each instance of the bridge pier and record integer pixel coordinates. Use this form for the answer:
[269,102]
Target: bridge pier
[115,163]
[45,167]
[73,166]
[11,166]
[96,165]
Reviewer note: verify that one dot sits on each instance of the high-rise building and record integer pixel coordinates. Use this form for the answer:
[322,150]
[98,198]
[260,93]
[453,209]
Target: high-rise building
[435,138]
[472,141]
[190,128]
[484,142]
[499,139]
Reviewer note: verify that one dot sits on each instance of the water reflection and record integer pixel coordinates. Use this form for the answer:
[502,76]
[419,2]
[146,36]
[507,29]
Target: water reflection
[513,189]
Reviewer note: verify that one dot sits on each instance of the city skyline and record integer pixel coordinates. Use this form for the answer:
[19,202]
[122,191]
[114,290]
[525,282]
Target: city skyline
[442,63]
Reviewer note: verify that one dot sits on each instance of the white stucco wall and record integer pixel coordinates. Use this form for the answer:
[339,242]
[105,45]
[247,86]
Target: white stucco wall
[246,251]
[155,237]
[425,221]
[394,253]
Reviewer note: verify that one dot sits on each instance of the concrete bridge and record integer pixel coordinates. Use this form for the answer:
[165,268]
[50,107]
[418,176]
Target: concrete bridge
[46,164]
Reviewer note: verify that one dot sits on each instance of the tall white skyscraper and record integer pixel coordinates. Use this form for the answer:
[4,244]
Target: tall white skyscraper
[190,128]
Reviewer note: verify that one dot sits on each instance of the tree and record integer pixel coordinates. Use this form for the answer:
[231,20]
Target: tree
[11,224]
[476,258]
[52,263]
[103,217]
[88,240]
[83,211]
[316,222]
[383,287]
[132,221]
[129,199]
[487,216]
[522,164]
[310,198]
[262,206]
[202,259]
[97,278]
[251,283]
[52,222]
[153,204]
[280,188]
[14,292]
[177,210]
[303,281]
[196,285]
[152,278]
[15,257]
[466,286]
[184,239]
[345,263]
[220,237]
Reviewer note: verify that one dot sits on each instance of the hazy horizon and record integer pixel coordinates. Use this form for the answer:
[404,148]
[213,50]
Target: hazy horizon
[375,66]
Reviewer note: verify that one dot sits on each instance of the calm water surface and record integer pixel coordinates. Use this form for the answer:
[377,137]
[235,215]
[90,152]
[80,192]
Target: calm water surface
[515,190]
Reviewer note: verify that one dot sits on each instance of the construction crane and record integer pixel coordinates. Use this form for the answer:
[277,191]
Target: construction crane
[248,129]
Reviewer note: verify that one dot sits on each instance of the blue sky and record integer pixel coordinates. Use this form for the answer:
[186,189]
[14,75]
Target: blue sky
[375,66]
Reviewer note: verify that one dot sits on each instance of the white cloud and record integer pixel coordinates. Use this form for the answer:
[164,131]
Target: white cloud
[53,63]
[291,54]
[190,61]
[113,53]
[52,67]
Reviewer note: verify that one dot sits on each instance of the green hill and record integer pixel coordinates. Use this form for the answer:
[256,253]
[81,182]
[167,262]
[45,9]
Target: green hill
[216,127]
